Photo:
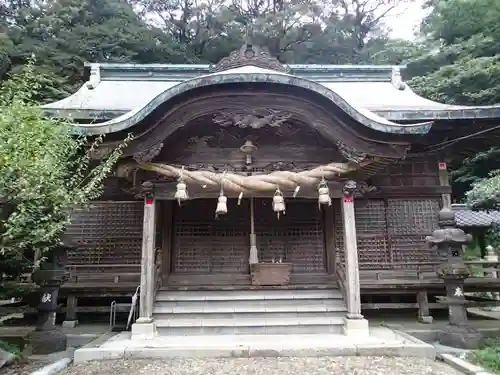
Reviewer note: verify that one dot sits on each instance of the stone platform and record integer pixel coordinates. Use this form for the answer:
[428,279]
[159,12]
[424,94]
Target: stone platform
[381,342]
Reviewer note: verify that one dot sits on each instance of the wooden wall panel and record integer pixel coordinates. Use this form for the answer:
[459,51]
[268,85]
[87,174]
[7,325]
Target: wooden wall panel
[107,233]
[390,231]
[409,173]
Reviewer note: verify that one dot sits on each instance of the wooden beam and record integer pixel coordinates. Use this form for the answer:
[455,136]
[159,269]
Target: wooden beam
[166,191]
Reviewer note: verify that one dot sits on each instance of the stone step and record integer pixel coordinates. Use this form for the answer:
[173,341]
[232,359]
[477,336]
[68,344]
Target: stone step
[248,330]
[225,295]
[254,325]
[252,306]
[246,315]
[250,322]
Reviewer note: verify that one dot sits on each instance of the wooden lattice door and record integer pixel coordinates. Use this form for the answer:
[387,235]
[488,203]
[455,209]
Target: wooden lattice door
[296,237]
[204,244]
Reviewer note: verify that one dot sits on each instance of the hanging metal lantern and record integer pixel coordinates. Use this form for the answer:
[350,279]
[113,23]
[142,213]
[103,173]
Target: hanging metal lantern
[181,192]
[324,193]
[279,203]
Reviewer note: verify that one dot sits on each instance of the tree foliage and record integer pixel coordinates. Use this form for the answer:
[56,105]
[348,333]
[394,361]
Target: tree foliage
[45,170]
[63,34]
[457,61]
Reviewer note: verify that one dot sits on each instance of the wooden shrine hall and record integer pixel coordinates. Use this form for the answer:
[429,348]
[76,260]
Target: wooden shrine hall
[256,197]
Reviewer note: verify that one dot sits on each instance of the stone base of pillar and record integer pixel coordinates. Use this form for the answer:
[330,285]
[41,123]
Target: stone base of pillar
[463,337]
[47,341]
[425,319]
[69,323]
[356,328]
[144,329]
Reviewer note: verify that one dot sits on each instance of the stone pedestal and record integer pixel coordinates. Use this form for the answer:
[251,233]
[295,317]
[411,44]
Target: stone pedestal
[463,337]
[144,329]
[357,328]
[458,333]
[47,338]
[70,323]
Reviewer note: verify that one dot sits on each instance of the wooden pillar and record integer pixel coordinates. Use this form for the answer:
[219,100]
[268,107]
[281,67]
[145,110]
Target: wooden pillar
[355,324]
[444,180]
[144,327]
[70,320]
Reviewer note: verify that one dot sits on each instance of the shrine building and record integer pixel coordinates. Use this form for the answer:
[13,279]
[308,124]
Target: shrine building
[257,197]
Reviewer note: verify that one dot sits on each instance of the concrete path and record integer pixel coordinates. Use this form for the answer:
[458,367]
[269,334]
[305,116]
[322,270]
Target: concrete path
[267,366]
[381,342]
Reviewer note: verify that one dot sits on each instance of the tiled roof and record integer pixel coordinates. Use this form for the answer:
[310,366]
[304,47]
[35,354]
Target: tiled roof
[465,217]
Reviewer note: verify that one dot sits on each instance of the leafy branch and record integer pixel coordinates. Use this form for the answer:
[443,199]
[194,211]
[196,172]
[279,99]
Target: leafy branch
[45,170]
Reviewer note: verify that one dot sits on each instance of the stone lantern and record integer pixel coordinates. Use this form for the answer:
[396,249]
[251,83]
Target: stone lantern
[449,241]
[47,338]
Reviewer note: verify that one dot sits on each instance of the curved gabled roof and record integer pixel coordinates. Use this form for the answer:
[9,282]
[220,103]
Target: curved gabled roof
[122,95]
[116,92]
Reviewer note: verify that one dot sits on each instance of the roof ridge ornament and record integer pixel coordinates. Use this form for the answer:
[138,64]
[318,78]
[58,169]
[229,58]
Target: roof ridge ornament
[396,79]
[247,55]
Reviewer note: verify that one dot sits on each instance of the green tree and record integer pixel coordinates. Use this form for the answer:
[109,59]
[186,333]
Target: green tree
[459,63]
[45,170]
[63,34]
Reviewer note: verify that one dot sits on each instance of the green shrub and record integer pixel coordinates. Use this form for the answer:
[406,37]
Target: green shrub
[11,348]
[488,357]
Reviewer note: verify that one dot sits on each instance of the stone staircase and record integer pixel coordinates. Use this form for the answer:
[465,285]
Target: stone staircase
[262,311]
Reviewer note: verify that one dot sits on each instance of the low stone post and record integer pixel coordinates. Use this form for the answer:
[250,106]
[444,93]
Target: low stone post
[354,324]
[491,256]
[449,241]
[144,327]
[47,338]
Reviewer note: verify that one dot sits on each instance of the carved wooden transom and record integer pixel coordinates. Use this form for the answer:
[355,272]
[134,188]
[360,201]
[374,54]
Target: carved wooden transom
[255,118]
[249,55]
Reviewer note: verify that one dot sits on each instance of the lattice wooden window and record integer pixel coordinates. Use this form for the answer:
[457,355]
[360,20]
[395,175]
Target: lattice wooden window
[296,237]
[338,232]
[409,222]
[371,232]
[390,231]
[204,244]
[107,233]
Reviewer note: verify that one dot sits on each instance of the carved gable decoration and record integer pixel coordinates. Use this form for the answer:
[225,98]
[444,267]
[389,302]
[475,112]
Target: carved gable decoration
[350,153]
[249,55]
[254,118]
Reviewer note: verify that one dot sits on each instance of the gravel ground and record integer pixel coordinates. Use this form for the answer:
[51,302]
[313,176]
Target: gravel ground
[24,367]
[267,366]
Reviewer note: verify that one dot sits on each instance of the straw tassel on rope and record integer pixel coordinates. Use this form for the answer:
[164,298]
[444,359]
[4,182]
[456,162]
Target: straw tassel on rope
[324,193]
[222,201]
[279,203]
[181,193]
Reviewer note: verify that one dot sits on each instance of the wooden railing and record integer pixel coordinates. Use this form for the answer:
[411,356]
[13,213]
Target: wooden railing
[103,274]
[423,270]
